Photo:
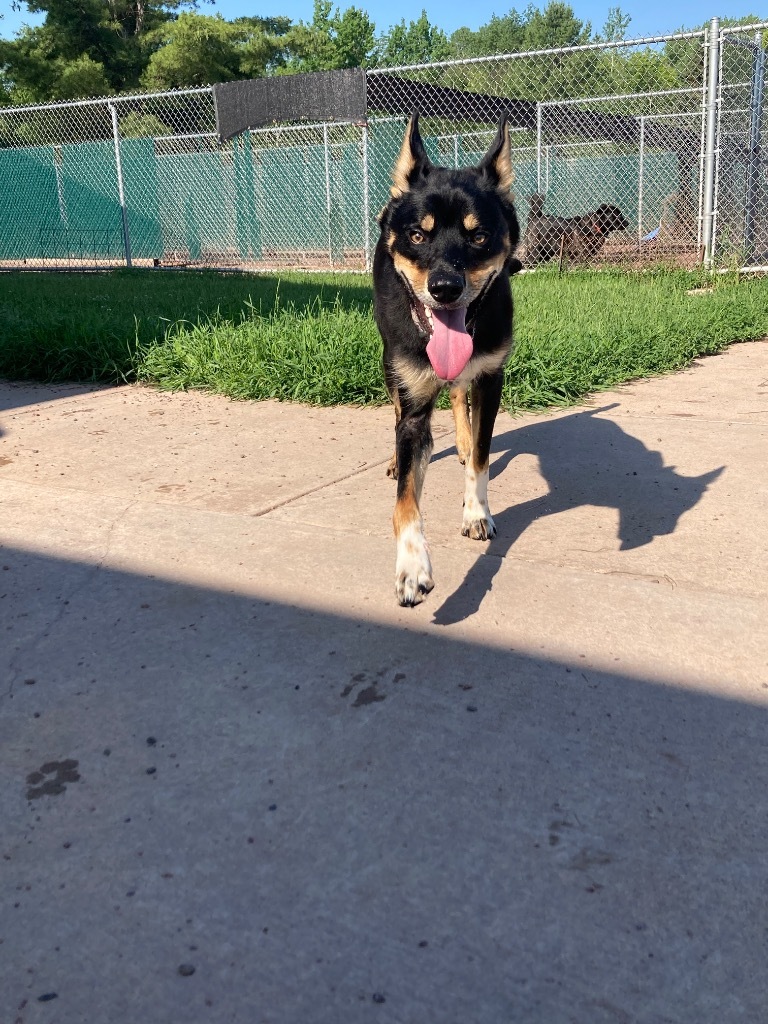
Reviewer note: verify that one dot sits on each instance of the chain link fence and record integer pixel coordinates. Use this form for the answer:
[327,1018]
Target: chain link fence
[610,168]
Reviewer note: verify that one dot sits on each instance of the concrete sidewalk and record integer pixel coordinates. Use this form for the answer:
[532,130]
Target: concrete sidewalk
[240,784]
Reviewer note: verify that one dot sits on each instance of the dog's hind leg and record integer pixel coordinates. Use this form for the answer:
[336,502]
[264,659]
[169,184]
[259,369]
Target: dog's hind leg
[413,572]
[461,419]
[477,522]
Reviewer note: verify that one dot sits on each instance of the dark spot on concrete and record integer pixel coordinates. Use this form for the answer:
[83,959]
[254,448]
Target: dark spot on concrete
[378,997]
[399,677]
[423,944]
[60,772]
[553,839]
[273,807]
[106,751]
[30,682]
[369,695]
[185,970]
[47,997]
[151,741]
[151,771]
[471,707]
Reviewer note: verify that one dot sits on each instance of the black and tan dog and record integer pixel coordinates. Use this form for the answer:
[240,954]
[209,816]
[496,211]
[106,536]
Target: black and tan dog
[443,306]
[578,238]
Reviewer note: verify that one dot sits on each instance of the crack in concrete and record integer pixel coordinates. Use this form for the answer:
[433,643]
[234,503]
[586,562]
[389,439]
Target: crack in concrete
[330,483]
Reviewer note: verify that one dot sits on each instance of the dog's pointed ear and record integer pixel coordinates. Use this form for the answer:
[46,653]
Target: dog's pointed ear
[497,162]
[412,161]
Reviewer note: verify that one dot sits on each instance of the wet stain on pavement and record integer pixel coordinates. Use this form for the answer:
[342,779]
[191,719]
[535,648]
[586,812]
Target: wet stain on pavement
[367,694]
[51,778]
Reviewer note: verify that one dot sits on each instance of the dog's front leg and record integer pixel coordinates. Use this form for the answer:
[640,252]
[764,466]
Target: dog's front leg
[477,522]
[461,421]
[413,572]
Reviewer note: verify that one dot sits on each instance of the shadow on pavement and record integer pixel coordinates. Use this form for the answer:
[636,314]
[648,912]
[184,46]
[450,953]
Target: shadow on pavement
[585,460]
[330,819]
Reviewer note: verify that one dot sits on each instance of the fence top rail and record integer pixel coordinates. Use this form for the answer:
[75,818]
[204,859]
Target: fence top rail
[104,101]
[731,30]
[583,47]
[619,96]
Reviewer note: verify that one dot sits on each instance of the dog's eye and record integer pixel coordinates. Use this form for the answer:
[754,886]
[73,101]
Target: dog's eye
[416,236]
[480,238]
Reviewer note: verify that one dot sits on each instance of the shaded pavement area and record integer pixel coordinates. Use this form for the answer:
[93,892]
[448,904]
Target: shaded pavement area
[240,784]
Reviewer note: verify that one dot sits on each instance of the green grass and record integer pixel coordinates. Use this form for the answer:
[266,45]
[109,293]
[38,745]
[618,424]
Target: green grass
[311,338]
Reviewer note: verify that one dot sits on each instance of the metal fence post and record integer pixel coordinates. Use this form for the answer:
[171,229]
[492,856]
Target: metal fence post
[120,185]
[366,202]
[753,167]
[640,183]
[708,211]
[328,192]
[538,148]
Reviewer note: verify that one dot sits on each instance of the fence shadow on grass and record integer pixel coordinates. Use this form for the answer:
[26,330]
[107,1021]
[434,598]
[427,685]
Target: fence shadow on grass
[585,460]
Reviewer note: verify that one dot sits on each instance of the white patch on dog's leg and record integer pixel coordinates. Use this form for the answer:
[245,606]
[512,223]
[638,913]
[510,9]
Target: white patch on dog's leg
[477,522]
[413,572]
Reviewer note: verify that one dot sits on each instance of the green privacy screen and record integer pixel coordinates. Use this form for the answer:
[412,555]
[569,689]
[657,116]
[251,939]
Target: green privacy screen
[299,196]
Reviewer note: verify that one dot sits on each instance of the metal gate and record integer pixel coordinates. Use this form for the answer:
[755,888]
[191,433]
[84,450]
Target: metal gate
[740,207]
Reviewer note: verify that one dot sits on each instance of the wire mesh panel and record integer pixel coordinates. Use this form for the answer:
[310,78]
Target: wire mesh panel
[607,165]
[59,197]
[741,196]
[625,152]
[308,195]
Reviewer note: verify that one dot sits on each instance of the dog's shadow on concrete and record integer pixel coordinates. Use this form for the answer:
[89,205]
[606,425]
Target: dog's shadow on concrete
[585,460]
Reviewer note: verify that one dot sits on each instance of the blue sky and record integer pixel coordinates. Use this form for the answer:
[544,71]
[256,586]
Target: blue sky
[649,17]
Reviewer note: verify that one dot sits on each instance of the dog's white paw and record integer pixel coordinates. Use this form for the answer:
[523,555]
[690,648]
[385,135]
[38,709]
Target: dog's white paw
[413,572]
[477,522]
[478,526]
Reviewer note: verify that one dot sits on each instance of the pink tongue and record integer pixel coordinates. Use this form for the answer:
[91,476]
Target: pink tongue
[450,347]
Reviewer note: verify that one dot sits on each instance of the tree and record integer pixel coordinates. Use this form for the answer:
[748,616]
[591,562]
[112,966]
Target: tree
[616,25]
[500,35]
[331,40]
[97,46]
[554,27]
[419,42]
[198,49]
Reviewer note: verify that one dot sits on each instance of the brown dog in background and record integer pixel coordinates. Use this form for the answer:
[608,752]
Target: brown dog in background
[580,238]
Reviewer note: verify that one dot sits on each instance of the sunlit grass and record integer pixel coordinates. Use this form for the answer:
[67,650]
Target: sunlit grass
[311,338]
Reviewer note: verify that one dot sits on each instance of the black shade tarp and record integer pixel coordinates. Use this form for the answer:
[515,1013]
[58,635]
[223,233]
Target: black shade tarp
[316,96]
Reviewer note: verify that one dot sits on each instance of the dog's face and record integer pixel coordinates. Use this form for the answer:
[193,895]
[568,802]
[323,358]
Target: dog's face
[450,234]
[609,218]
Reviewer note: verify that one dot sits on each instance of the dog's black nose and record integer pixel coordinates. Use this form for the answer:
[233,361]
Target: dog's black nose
[444,286]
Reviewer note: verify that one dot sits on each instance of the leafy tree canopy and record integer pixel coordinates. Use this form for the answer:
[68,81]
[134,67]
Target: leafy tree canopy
[418,42]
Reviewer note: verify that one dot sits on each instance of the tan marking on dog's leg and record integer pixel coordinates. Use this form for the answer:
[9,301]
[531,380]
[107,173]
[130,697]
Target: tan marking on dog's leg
[477,521]
[461,419]
[392,467]
[413,569]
